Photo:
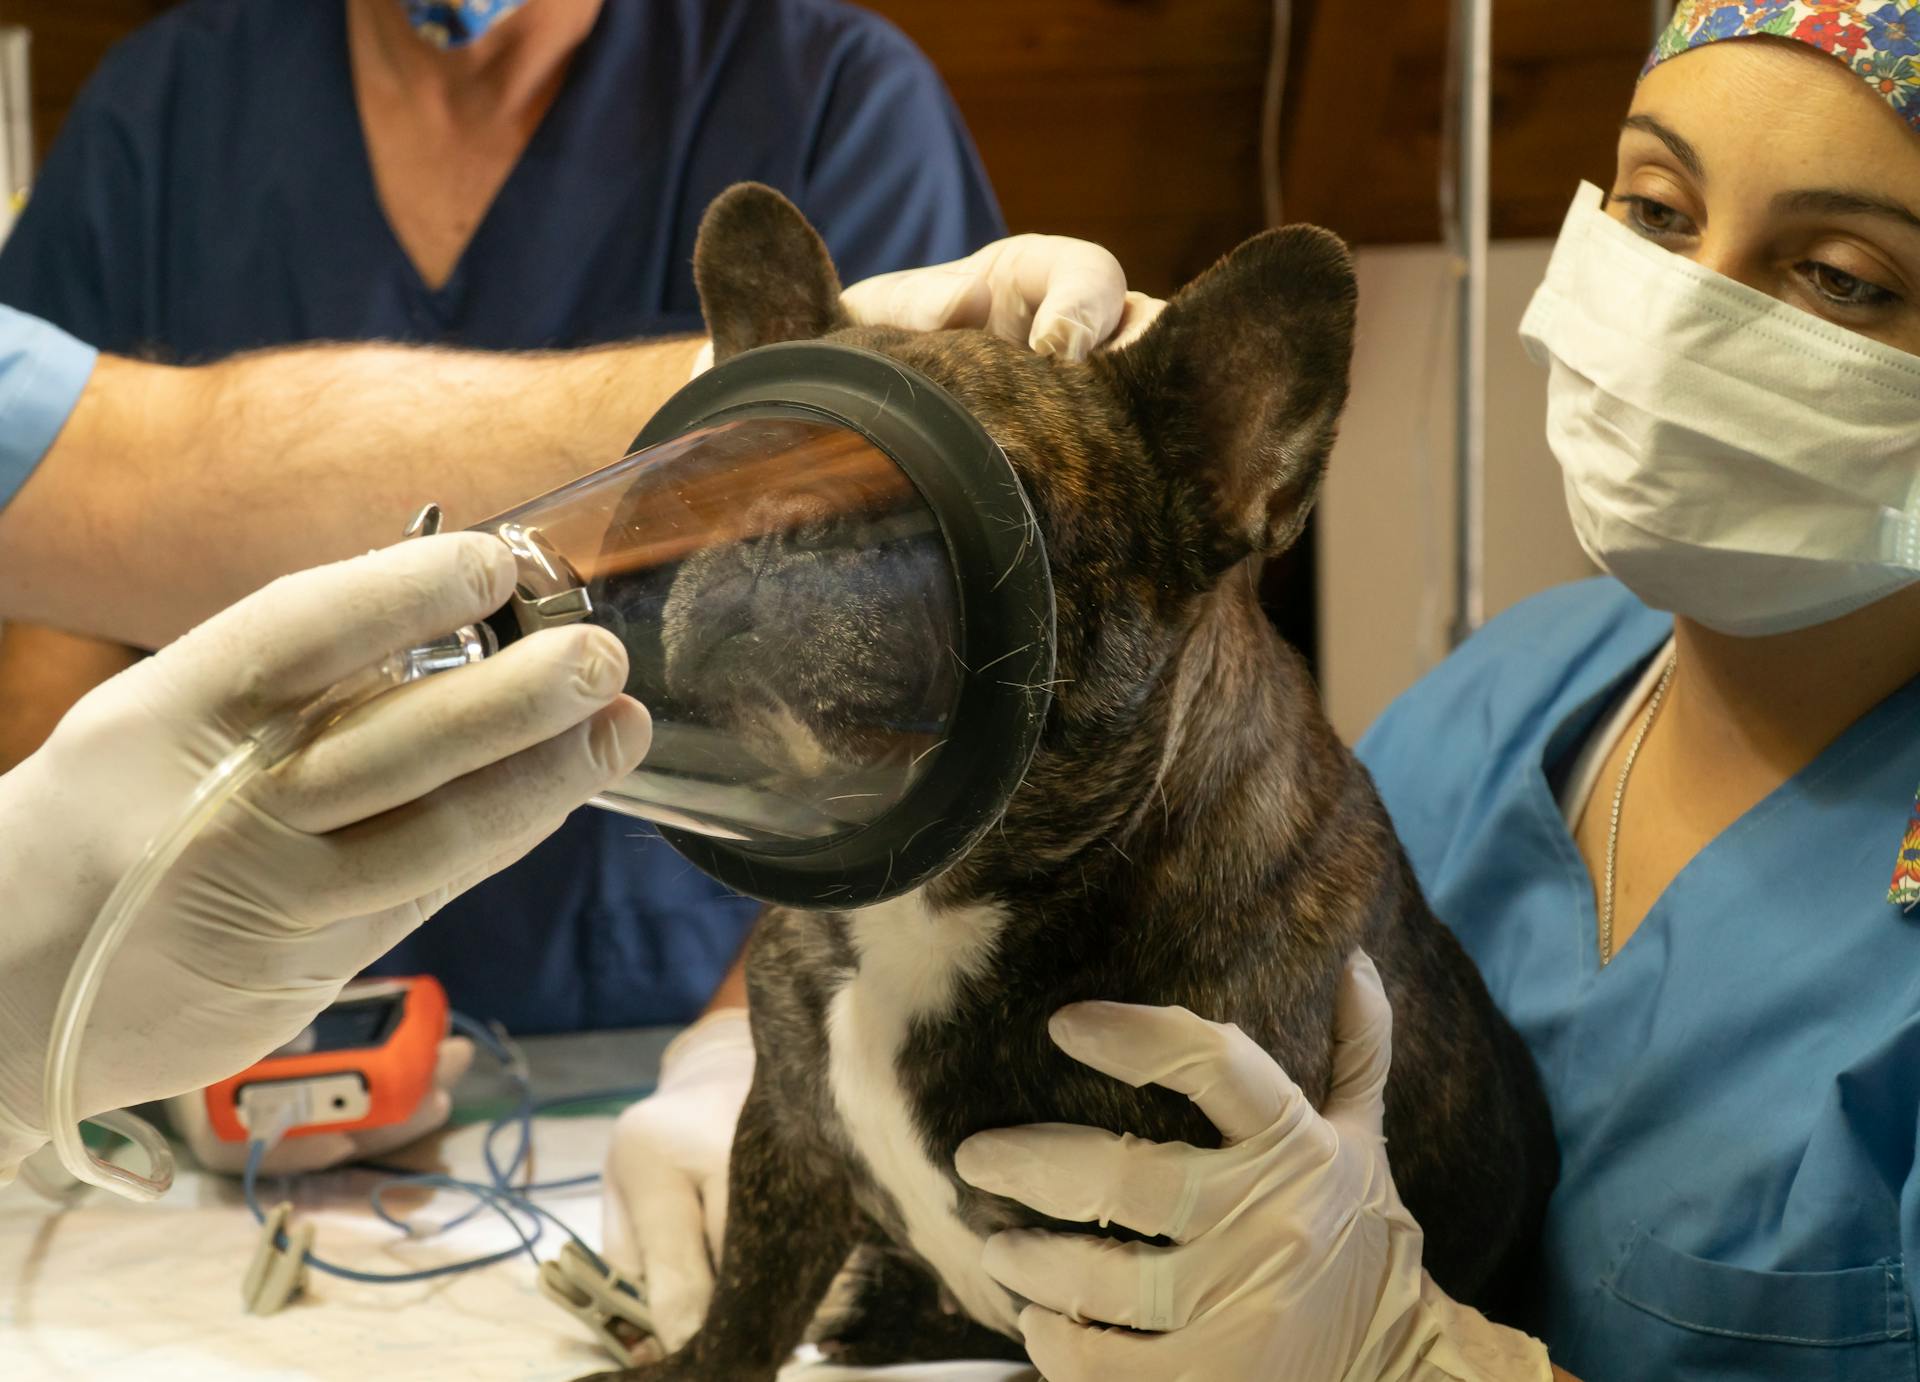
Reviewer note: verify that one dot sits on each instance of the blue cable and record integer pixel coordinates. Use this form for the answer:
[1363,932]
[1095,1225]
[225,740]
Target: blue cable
[499,1195]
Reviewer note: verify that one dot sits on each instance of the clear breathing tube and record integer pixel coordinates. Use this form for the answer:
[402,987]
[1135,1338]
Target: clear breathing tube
[266,747]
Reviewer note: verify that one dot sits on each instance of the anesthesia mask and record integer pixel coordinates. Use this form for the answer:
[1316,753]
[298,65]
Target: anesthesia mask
[836,607]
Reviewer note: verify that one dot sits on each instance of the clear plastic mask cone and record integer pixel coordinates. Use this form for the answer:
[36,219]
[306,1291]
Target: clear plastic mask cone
[802,583]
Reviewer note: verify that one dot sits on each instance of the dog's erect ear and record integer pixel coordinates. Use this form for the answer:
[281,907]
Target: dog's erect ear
[764,274]
[1240,381]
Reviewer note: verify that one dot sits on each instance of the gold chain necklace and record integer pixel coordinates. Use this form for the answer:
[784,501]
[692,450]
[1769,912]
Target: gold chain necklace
[1619,797]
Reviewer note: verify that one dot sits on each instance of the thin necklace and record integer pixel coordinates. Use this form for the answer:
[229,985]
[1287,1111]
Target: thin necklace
[1619,797]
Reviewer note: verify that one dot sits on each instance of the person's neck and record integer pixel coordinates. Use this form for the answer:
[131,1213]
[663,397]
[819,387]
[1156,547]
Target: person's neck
[511,73]
[1781,699]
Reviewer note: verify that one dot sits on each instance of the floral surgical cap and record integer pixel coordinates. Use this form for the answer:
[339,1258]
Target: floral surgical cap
[1878,40]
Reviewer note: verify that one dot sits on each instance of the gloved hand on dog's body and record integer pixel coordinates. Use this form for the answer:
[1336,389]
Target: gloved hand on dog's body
[1292,1255]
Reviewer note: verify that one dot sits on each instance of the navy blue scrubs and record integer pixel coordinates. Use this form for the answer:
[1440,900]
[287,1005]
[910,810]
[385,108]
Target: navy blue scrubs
[211,192]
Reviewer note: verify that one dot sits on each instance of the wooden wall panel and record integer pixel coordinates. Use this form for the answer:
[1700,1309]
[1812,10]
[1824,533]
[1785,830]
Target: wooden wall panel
[69,38]
[1135,123]
[1366,95]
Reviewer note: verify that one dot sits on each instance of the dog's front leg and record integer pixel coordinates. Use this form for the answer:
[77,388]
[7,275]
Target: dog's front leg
[791,1223]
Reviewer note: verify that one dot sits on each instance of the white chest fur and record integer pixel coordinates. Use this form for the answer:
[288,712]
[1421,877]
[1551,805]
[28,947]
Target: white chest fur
[913,963]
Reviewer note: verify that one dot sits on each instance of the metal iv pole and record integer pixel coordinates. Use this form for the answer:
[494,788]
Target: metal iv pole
[1473,49]
[1472,124]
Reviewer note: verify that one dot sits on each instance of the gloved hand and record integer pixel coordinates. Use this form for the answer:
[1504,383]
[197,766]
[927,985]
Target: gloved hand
[1057,295]
[324,863]
[1054,294]
[1292,1254]
[665,1204]
[295,1156]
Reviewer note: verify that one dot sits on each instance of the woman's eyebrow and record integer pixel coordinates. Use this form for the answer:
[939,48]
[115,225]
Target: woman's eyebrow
[1685,153]
[1834,201]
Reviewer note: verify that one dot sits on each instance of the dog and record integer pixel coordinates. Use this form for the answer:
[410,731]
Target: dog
[1190,832]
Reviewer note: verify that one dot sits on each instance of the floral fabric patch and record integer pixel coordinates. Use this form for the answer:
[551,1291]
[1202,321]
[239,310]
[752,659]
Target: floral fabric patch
[1878,40]
[1904,891]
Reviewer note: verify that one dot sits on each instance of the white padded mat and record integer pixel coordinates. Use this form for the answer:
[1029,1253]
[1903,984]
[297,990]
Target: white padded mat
[110,1289]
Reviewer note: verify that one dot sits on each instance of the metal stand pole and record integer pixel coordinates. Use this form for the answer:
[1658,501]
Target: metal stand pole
[1473,126]
[16,124]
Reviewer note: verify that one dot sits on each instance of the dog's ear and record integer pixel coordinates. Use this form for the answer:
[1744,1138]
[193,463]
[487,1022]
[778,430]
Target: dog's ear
[1240,381]
[764,274]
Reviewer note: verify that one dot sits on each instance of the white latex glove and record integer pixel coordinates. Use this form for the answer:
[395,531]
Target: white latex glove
[324,863]
[1057,295]
[1292,1254]
[665,1204]
[296,1156]
[1052,293]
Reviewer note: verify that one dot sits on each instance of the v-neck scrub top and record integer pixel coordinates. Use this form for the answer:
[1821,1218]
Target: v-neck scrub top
[1737,1094]
[211,192]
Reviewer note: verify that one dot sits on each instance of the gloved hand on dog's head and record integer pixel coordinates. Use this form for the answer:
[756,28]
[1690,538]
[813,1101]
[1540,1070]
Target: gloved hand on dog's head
[1056,295]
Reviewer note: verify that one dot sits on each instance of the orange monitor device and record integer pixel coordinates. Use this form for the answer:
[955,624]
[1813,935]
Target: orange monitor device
[365,1062]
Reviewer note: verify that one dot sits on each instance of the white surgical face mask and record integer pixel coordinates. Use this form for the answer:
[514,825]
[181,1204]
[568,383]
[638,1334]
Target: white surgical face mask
[1727,457]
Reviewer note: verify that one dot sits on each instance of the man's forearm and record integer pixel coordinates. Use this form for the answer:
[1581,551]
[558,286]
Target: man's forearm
[172,492]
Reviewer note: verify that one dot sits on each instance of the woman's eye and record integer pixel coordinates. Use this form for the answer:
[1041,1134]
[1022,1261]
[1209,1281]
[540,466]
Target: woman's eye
[1655,219]
[1844,289]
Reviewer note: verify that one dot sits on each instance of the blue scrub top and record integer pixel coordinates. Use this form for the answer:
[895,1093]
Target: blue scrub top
[1737,1094]
[42,372]
[211,192]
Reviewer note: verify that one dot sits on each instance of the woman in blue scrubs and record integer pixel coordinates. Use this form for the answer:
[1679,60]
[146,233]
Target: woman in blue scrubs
[1661,810]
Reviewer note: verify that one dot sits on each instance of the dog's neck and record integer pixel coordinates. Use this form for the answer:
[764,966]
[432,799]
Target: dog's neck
[1228,742]
[1246,738]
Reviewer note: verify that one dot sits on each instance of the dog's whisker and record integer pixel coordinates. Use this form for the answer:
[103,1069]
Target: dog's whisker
[1002,658]
[918,833]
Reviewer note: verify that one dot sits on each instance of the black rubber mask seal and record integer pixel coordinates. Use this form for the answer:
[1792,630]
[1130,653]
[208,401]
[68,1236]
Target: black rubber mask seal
[1005,638]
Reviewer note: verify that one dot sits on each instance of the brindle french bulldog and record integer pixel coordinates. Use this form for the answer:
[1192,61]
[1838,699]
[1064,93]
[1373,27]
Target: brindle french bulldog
[1191,832]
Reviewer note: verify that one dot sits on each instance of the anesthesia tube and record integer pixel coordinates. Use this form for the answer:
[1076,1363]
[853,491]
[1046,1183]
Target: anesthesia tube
[273,742]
